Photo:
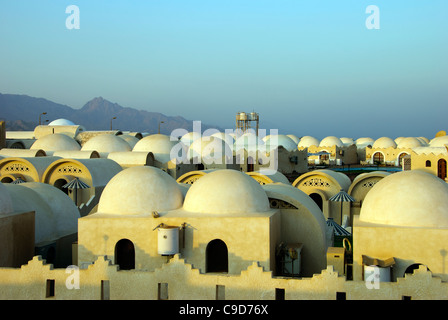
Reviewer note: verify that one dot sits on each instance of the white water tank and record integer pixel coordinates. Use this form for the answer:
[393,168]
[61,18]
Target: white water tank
[168,240]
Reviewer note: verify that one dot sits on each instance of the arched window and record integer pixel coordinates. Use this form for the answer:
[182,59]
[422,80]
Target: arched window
[318,199]
[125,254]
[216,257]
[428,164]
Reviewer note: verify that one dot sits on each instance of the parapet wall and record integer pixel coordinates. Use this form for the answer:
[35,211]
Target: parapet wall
[177,280]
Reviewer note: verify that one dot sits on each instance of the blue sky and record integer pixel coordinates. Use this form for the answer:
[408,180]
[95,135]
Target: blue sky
[307,67]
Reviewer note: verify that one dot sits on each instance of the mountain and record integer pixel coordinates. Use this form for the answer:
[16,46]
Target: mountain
[21,112]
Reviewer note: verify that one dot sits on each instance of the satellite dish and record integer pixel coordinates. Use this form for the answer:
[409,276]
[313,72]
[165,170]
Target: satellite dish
[440,134]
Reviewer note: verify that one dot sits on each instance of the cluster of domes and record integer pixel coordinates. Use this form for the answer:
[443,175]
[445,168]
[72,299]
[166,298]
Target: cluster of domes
[143,190]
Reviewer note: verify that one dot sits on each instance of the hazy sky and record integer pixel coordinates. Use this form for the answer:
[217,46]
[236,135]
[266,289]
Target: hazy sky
[307,67]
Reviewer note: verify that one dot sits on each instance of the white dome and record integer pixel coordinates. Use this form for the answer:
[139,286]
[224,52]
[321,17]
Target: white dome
[409,143]
[226,192]
[294,138]
[274,141]
[409,198]
[347,141]
[439,141]
[384,143]
[61,122]
[5,200]
[331,141]
[308,141]
[210,148]
[364,142]
[163,148]
[56,142]
[106,143]
[131,140]
[140,191]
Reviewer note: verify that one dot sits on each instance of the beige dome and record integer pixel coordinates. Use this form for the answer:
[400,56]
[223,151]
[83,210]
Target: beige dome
[226,192]
[210,148]
[294,138]
[331,141]
[409,198]
[439,141]
[140,191]
[106,143]
[347,141]
[384,143]
[56,142]
[161,145]
[131,140]
[409,143]
[274,141]
[308,141]
[364,142]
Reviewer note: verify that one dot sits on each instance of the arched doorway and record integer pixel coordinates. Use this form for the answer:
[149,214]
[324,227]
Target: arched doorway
[216,257]
[318,199]
[400,158]
[125,254]
[378,158]
[59,183]
[441,169]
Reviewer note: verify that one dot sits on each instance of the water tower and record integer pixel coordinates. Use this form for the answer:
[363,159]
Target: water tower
[246,121]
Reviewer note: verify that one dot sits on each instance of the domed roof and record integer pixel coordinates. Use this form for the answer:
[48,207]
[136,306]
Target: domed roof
[384,143]
[274,141]
[226,192]
[5,200]
[331,141]
[439,141]
[61,122]
[56,142]
[294,138]
[131,140]
[161,145]
[409,198]
[106,143]
[409,143]
[347,141]
[140,190]
[364,142]
[308,141]
[209,147]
